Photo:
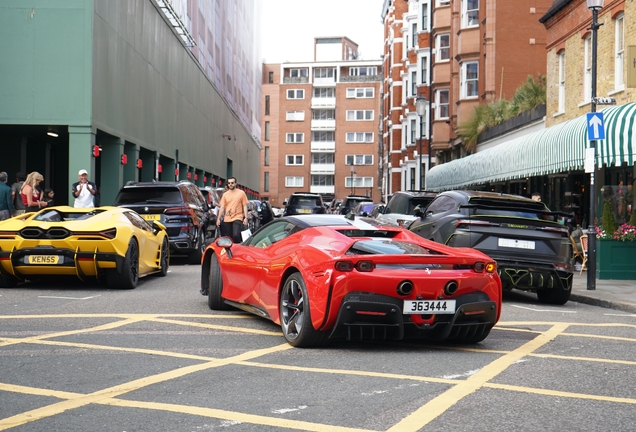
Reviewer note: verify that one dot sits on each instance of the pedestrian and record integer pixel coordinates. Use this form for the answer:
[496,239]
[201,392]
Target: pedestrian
[29,192]
[15,193]
[232,211]
[536,196]
[83,191]
[6,203]
[49,197]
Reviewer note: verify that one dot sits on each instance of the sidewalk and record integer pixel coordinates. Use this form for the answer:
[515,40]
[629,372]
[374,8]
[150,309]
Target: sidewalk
[613,294]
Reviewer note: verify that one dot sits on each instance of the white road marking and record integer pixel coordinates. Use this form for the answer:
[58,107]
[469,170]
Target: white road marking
[374,392]
[543,310]
[625,315]
[70,298]
[286,410]
[467,374]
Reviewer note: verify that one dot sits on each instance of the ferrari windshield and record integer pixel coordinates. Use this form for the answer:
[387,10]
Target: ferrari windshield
[387,247]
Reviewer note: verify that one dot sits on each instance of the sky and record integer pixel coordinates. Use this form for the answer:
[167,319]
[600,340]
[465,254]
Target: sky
[289,27]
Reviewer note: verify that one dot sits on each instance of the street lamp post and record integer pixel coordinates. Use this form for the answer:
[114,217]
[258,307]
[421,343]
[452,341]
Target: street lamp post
[420,107]
[353,177]
[594,6]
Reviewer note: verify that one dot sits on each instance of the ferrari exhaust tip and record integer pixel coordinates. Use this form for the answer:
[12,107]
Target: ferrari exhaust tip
[450,288]
[405,288]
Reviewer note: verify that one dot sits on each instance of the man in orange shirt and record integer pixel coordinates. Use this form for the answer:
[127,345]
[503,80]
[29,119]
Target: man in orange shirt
[232,211]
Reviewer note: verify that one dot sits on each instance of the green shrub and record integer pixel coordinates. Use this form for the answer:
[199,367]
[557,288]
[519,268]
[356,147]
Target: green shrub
[608,223]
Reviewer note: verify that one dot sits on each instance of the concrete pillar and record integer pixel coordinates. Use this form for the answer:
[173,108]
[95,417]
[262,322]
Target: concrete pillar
[112,176]
[81,140]
[130,169]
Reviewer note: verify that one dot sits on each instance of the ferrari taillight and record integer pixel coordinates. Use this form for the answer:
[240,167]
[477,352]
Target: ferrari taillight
[178,211]
[344,266]
[365,266]
[480,267]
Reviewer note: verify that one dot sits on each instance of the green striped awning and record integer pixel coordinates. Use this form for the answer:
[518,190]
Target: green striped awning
[557,149]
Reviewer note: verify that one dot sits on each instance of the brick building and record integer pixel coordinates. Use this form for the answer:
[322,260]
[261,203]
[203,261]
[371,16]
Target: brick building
[320,124]
[458,55]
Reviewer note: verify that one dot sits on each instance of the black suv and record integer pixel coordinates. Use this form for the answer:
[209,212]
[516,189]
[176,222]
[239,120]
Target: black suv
[350,202]
[400,208]
[179,206]
[303,203]
[530,244]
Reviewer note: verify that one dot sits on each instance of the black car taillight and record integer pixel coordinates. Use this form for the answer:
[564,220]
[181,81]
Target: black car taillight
[480,267]
[365,266]
[344,266]
[183,211]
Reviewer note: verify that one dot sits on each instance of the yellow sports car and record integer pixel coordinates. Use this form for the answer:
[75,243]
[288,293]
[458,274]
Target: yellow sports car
[114,243]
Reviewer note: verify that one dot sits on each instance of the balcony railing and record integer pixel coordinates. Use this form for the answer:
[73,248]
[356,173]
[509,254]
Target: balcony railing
[323,124]
[323,146]
[295,80]
[360,78]
[329,81]
[322,168]
[328,102]
[322,189]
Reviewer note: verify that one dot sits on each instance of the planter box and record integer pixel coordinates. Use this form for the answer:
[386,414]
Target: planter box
[615,260]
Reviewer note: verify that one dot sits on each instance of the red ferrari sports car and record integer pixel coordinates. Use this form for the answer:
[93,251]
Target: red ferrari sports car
[327,276]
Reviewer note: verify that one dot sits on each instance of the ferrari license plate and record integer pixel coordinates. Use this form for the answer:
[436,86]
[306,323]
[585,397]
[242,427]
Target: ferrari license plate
[151,217]
[427,307]
[519,244]
[43,259]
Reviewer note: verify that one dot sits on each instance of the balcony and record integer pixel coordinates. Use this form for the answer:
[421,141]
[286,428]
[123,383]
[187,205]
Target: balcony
[325,82]
[323,146]
[326,102]
[360,78]
[322,168]
[323,124]
[296,116]
[296,80]
[323,189]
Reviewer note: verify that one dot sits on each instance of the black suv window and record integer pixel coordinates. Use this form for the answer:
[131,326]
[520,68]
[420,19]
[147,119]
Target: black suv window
[305,201]
[148,194]
[398,204]
[441,204]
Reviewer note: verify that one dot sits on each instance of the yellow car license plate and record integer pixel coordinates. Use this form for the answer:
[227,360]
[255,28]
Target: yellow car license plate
[43,259]
[151,217]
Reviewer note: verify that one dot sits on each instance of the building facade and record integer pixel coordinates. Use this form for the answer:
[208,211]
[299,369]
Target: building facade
[126,90]
[320,124]
[457,55]
[552,161]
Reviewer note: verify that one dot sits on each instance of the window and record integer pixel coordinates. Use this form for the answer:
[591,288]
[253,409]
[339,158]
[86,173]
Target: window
[322,180]
[414,35]
[295,94]
[359,115]
[267,105]
[323,114]
[294,181]
[297,73]
[270,78]
[470,13]
[359,159]
[295,116]
[443,2]
[360,92]
[266,131]
[443,47]
[561,59]
[322,158]
[424,70]
[363,71]
[323,136]
[470,76]
[266,156]
[442,97]
[294,137]
[295,160]
[424,16]
[266,181]
[324,92]
[324,73]
[587,69]
[359,137]
[361,182]
[413,131]
[619,52]
[414,83]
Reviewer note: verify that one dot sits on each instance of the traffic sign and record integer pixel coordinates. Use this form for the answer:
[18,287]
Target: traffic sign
[595,126]
[604,101]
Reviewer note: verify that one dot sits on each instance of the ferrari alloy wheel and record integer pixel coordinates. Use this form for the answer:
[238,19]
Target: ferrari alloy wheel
[295,318]
[164,260]
[215,286]
[194,257]
[129,276]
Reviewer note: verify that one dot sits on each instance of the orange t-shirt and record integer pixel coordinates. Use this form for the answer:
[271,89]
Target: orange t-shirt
[233,201]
